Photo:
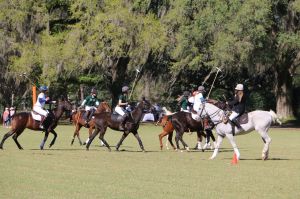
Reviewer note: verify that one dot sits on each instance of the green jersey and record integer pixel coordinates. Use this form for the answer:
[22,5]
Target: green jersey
[184,103]
[91,101]
[123,99]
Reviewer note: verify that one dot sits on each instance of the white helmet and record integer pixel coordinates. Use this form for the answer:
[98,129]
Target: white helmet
[239,87]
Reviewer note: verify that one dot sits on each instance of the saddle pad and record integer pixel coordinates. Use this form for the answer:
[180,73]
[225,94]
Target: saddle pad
[243,119]
[196,117]
[36,116]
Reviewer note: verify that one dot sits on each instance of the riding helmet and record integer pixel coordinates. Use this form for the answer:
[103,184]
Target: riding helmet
[125,88]
[94,91]
[43,88]
[201,89]
[239,87]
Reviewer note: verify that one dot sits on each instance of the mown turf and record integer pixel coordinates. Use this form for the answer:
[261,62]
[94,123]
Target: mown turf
[72,172]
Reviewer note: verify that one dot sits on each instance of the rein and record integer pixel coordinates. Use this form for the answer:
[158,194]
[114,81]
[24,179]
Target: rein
[213,115]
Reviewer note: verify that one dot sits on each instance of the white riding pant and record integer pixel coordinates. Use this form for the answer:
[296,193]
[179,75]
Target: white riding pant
[40,110]
[120,110]
[181,109]
[87,108]
[233,115]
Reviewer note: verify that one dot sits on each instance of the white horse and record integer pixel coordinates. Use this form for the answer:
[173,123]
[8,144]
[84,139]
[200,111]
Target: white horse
[257,120]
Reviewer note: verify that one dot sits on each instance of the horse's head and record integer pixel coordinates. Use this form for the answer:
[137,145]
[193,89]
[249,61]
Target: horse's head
[103,107]
[64,105]
[146,104]
[212,111]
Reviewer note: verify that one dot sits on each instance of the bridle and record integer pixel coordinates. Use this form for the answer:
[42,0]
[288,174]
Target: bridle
[214,114]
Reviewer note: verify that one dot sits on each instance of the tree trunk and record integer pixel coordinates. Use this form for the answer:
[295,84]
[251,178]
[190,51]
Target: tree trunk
[284,94]
[118,69]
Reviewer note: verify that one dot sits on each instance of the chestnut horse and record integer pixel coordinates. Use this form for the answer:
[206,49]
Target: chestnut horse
[23,120]
[79,121]
[104,120]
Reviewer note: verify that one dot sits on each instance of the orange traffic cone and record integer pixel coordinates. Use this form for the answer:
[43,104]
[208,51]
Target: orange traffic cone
[234,159]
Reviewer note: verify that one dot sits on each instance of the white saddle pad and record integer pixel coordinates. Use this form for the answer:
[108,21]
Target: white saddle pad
[196,117]
[36,116]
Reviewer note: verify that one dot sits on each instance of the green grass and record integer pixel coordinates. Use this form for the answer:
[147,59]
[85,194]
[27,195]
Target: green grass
[72,172]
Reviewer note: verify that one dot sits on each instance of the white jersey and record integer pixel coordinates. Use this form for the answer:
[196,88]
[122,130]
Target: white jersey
[198,101]
[41,99]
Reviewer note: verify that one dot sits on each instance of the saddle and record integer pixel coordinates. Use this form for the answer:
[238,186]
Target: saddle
[243,119]
[116,117]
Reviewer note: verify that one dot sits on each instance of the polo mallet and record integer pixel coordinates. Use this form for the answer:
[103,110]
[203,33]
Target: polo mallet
[218,70]
[134,83]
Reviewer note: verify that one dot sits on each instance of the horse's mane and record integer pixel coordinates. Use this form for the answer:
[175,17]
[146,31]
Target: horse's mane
[218,104]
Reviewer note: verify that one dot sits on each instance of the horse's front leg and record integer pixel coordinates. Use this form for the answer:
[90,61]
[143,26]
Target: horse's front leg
[218,144]
[76,133]
[54,138]
[101,137]
[199,141]
[233,144]
[91,138]
[136,135]
[44,140]
[125,134]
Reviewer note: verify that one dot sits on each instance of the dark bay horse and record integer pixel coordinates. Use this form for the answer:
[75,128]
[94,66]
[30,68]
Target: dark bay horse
[104,120]
[79,121]
[23,120]
[183,122]
[168,129]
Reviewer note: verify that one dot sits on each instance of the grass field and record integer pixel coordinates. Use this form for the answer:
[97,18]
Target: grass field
[66,171]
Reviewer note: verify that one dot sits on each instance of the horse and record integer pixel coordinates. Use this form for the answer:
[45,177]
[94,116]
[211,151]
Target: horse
[23,120]
[184,122]
[168,129]
[104,120]
[257,120]
[79,121]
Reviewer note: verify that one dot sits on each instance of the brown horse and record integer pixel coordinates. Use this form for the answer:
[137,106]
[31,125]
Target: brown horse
[183,122]
[168,129]
[79,121]
[104,120]
[23,120]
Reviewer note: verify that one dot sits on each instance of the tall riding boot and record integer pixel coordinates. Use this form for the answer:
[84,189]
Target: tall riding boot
[87,116]
[122,124]
[236,123]
[42,121]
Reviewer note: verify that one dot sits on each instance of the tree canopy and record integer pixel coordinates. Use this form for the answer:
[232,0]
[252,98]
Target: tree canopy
[73,45]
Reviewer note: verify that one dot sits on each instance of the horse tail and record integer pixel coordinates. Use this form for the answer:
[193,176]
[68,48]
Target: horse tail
[275,117]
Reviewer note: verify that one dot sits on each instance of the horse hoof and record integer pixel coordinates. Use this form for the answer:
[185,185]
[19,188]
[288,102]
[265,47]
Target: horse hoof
[84,143]
[42,148]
